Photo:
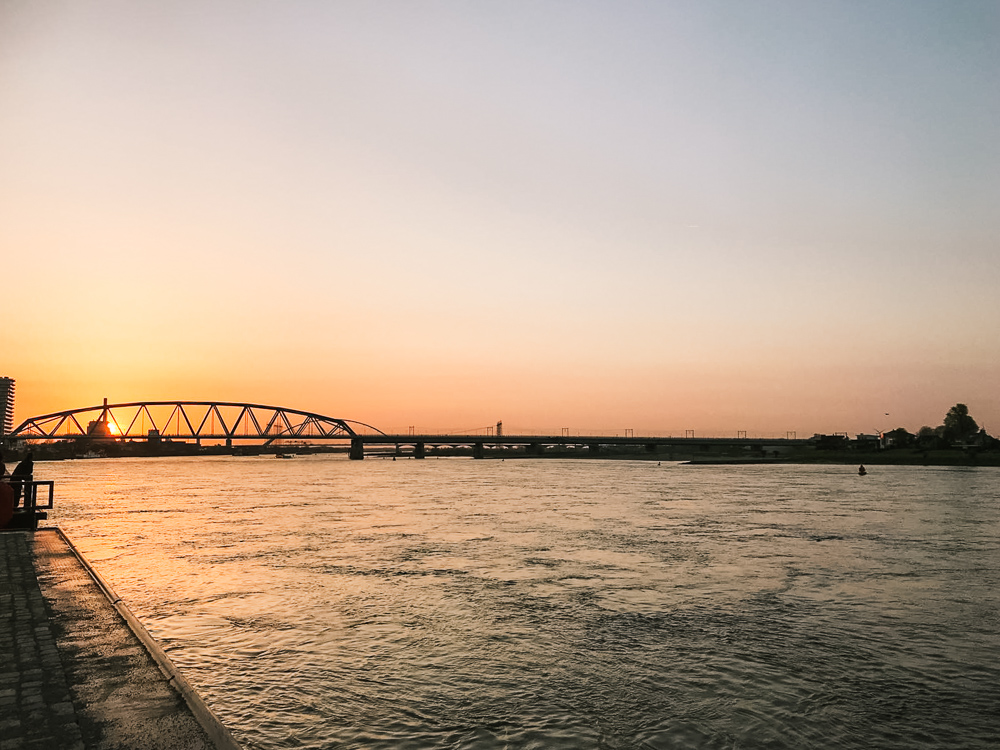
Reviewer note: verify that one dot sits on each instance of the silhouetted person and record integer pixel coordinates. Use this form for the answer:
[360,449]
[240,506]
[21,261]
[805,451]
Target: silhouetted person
[862,470]
[21,474]
[6,502]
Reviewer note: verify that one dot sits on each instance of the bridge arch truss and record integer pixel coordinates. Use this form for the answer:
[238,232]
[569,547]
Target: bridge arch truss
[189,420]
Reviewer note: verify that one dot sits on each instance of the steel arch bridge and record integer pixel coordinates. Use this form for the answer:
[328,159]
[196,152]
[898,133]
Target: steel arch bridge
[189,420]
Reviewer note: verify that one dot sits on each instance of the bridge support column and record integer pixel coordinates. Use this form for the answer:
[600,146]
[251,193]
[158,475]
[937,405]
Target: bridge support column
[535,449]
[229,442]
[357,452]
[477,450]
[593,448]
[418,450]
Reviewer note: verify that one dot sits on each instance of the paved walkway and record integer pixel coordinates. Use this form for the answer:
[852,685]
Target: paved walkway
[73,674]
[36,709]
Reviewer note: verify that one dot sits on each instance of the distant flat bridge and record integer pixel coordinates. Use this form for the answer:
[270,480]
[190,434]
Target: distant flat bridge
[229,421]
[536,445]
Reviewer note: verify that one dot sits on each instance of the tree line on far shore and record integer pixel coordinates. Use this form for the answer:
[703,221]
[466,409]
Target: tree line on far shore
[959,430]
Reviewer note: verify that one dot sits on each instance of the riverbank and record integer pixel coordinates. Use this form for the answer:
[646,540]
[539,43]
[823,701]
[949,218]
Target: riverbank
[901,457]
[78,671]
[897,457]
[706,453]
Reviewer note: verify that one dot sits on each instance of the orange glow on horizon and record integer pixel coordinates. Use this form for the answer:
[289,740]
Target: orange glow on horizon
[651,400]
[651,249]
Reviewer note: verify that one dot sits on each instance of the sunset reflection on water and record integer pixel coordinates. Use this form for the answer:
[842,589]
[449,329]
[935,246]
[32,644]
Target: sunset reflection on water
[459,603]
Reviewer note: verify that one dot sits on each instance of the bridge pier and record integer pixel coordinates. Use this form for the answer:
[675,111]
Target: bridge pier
[535,449]
[357,452]
[418,451]
[593,447]
[477,450]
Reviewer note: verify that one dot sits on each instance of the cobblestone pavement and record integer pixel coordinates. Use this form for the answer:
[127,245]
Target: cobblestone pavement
[73,675]
[36,708]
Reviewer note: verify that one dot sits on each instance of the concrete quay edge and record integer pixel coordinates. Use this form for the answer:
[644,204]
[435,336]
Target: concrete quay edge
[215,729]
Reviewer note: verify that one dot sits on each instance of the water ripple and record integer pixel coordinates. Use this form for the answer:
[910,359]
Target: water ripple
[558,604]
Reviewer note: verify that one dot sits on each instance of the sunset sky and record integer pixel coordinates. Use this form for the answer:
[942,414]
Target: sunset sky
[718,216]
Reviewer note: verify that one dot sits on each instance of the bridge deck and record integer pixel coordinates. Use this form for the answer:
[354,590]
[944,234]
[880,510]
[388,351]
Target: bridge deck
[641,440]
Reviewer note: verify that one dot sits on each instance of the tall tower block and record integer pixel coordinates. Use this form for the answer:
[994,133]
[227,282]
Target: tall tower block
[6,405]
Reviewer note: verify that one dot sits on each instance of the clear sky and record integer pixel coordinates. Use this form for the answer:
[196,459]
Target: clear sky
[718,216]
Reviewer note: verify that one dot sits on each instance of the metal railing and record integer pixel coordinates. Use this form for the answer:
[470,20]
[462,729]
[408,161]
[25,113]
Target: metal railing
[29,491]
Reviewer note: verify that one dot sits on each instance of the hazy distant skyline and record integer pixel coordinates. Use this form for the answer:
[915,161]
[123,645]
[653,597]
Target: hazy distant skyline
[717,216]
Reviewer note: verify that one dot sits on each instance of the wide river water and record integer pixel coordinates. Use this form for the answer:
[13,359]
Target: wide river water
[453,603]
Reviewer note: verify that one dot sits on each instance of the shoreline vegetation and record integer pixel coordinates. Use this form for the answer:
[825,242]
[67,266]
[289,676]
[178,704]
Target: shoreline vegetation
[704,455]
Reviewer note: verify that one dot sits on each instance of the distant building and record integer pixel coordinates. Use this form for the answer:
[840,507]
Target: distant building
[863,440]
[7,405]
[98,428]
[834,442]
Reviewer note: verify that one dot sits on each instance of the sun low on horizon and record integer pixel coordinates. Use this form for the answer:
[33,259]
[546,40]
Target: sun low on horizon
[717,217]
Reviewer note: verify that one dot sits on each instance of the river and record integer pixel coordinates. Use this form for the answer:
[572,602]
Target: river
[452,603]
